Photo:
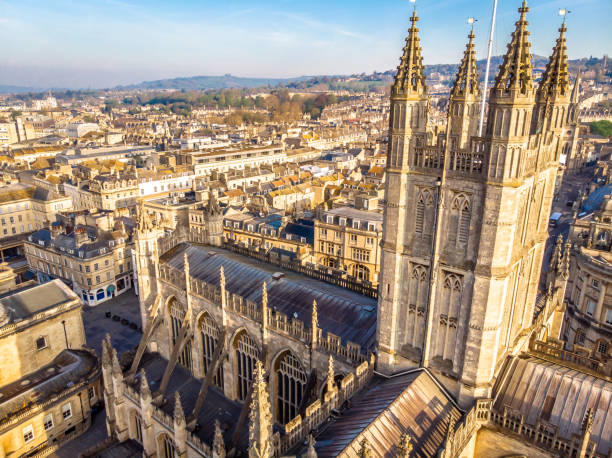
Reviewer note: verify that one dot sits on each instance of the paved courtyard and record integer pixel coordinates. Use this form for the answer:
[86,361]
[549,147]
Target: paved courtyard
[123,336]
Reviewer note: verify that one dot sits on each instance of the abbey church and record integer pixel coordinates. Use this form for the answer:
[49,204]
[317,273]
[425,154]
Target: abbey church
[459,356]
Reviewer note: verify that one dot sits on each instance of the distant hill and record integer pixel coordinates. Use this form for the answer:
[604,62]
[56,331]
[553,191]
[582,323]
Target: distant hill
[5,89]
[211,82]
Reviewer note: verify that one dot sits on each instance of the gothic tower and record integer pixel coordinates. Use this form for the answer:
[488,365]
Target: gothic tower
[146,258]
[407,127]
[466,225]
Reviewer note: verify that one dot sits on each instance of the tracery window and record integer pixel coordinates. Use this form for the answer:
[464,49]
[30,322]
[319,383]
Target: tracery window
[460,215]
[210,338]
[290,381]
[137,426]
[166,446]
[247,355]
[424,212]
[449,312]
[177,315]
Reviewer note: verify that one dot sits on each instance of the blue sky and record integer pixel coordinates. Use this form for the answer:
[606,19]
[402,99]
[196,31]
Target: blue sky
[99,43]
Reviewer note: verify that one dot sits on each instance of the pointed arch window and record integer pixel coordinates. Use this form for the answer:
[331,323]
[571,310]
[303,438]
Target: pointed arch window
[137,426]
[247,355]
[209,332]
[166,446]
[290,382]
[177,315]
[450,307]
[460,216]
[424,212]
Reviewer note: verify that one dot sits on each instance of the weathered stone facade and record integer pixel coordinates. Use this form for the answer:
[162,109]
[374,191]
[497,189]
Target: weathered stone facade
[466,216]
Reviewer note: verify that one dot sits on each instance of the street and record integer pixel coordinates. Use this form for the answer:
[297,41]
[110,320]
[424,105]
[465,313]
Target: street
[570,189]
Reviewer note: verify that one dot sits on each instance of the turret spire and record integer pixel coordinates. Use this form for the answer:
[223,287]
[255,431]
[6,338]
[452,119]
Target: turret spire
[466,82]
[515,73]
[555,79]
[410,77]
[213,208]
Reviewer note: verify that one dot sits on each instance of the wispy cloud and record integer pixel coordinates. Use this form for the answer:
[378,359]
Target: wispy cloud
[322,25]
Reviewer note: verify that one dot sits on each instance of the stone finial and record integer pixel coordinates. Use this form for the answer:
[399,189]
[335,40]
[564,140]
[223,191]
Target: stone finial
[107,362]
[218,442]
[264,300]
[365,451]
[587,423]
[260,425]
[222,279]
[186,267]
[585,437]
[564,268]
[315,324]
[331,383]
[466,82]
[212,207]
[145,391]
[555,259]
[115,363]
[179,414]
[311,452]
[450,431]
[516,71]
[405,446]
[555,79]
[410,76]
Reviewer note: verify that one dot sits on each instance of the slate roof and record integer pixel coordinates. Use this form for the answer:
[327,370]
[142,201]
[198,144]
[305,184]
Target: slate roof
[216,406]
[300,230]
[545,391]
[341,312]
[594,200]
[386,408]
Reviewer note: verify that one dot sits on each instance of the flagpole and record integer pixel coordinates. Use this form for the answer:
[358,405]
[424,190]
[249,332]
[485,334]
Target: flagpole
[486,81]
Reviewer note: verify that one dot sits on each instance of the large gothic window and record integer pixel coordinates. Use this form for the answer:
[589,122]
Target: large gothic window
[247,355]
[136,421]
[290,382]
[209,332]
[177,315]
[166,446]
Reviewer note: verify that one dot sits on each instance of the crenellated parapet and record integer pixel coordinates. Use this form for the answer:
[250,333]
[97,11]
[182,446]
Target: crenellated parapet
[320,410]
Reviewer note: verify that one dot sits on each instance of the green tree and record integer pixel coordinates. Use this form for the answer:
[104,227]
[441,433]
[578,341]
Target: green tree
[603,128]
